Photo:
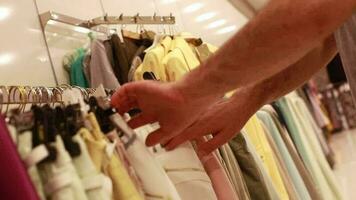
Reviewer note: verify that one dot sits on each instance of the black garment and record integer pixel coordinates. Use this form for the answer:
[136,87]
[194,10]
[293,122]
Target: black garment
[121,65]
[109,52]
[336,71]
[123,54]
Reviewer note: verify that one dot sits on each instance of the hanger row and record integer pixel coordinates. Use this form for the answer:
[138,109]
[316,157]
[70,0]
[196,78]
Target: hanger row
[24,95]
[98,22]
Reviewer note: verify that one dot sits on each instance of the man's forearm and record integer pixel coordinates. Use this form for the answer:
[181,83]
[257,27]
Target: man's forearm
[280,35]
[293,77]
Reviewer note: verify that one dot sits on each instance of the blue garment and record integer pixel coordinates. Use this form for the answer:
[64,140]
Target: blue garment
[302,192]
[302,134]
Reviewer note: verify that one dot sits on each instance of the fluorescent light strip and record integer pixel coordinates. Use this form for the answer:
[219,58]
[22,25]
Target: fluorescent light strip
[193,7]
[227,29]
[216,24]
[205,16]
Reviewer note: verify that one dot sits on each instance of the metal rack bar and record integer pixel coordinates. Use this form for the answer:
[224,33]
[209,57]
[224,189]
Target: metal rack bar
[96,23]
[137,19]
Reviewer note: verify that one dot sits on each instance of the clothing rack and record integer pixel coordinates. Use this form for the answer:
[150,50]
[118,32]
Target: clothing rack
[23,95]
[96,23]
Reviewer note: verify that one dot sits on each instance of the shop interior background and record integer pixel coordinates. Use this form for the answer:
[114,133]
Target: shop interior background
[26,61]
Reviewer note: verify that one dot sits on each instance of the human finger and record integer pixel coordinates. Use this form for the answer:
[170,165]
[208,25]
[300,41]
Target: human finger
[140,120]
[211,145]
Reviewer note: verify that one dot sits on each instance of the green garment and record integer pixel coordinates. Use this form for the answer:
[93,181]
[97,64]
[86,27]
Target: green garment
[305,174]
[77,76]
[297,180]
[252,174]
[303,136]
[234,172]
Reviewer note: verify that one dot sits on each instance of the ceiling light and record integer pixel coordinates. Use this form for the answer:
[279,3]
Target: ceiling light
[193,7]
[6,58]
[227,29]
[81,30]
[205,16]
[216,24]
[4,13]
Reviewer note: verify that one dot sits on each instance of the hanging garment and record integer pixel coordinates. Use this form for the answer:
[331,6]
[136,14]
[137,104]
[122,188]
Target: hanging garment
[100,69]
[31,158]
[291,190]
[326,149]
[305,115]
[331,102]
[302,192]
[155,181]
[86,67]
[345,38]
[272,190]
[21,186]
[309,183]
[305,149]
[77,76]
[120,149]
[252,174]
[153,60]
[320,116]
[184,168]
[60,178]
[348,106]
[258,138]
[135,64]
[180,60]
[135,48]
[110,53]
[218,176]
[235,172]
[69,58]
[121,65]
[96,185]
[106,160]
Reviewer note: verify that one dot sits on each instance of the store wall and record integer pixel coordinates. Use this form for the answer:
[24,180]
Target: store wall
[23,56]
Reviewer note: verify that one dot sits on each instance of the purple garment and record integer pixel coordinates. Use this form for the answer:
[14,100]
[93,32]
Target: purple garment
[15,183]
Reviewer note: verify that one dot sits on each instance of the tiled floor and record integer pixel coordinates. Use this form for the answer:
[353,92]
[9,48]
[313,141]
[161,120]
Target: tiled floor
[344,146]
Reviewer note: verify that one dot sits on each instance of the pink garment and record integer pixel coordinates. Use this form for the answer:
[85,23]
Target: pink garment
[221,183]
[14,182]
[121,151]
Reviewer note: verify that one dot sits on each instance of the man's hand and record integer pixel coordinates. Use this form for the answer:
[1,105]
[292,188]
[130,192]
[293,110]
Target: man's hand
[165,103]
[223,120]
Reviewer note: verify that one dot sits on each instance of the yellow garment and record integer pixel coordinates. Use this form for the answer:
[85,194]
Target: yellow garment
[138,75]
[110,165]
[152,61]
[180,60]
[258,138]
